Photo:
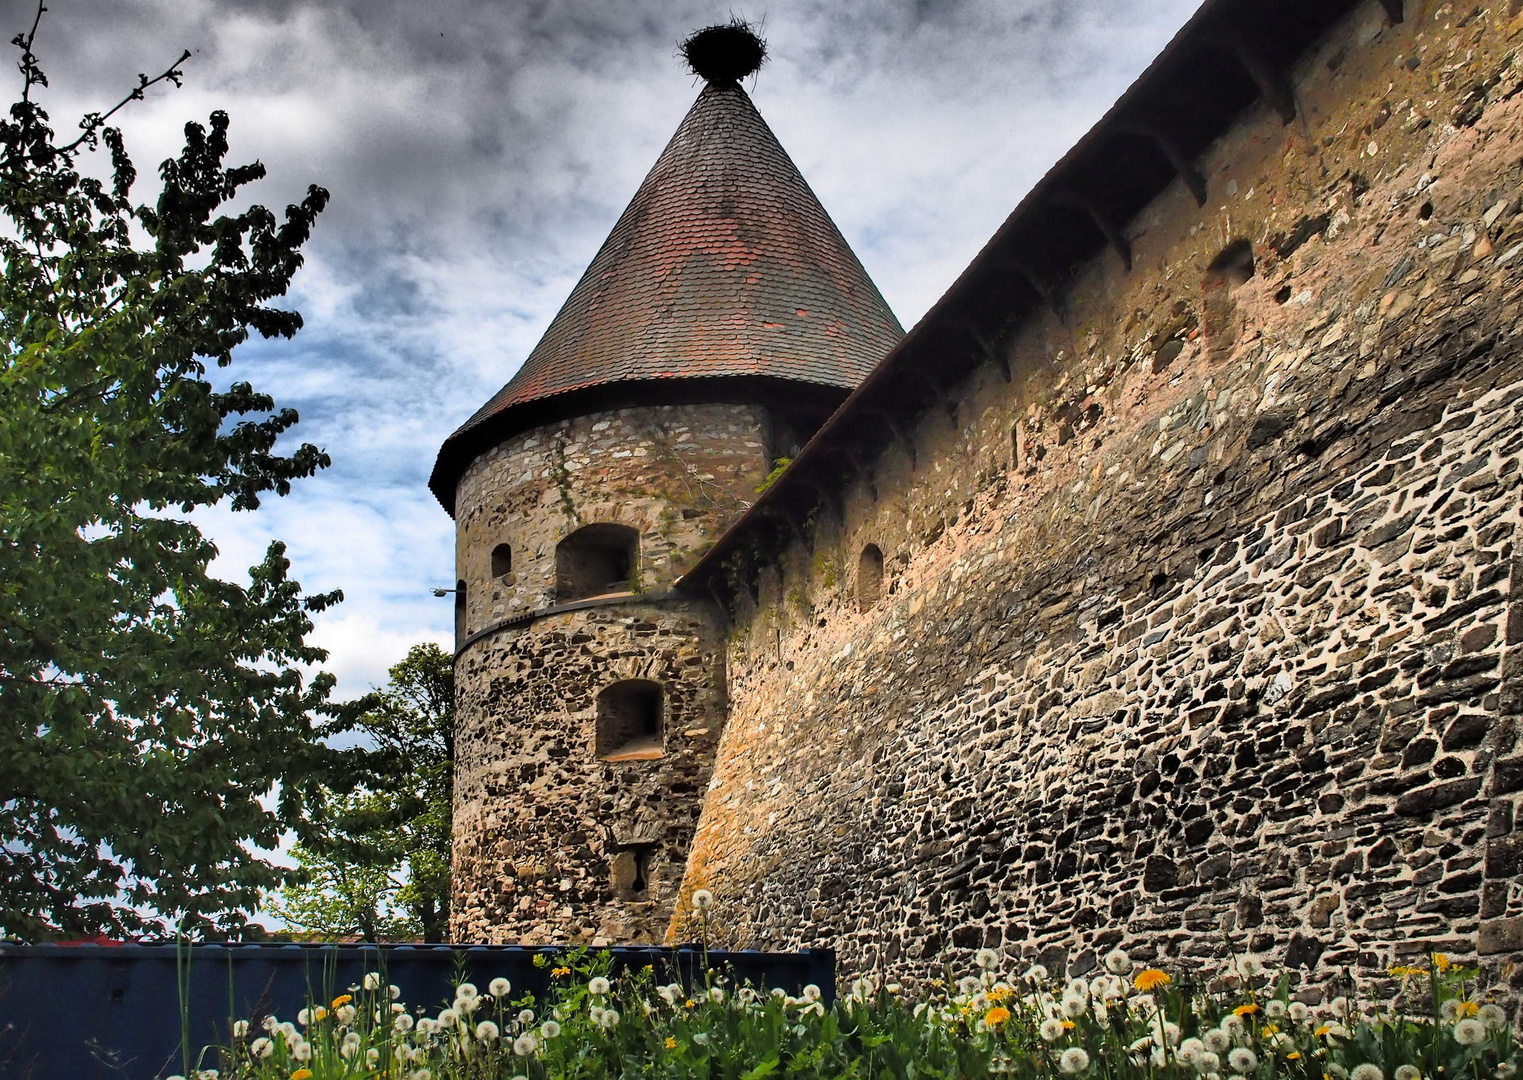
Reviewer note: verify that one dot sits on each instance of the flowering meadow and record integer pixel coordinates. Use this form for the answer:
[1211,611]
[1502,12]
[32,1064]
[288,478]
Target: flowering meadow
[1127,1022]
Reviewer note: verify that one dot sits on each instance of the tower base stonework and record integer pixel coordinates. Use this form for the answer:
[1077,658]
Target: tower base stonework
[572,816]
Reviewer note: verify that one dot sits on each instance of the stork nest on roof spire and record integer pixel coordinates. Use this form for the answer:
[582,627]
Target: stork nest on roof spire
[725,53]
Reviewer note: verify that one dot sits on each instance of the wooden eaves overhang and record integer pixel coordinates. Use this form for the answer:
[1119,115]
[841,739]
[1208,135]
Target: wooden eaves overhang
[1230,55]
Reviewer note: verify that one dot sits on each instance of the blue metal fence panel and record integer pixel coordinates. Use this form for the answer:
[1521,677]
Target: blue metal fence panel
[90,1011]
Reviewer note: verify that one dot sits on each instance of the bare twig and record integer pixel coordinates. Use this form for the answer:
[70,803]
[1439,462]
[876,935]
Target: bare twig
[91,123]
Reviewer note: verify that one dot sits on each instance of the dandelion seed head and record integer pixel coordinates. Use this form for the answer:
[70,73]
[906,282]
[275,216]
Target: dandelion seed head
[1051,1030]
[550,1029]
[703,899]
[1493,1016]
[598,986]
[1367,1071]
[1117,962]
[261,1047]
[1408,1072]
[1073,1060]
[487,1031]
[1241,1059]
[1470,1032]
[1037,973]
[499,987]
[987,959]
[525,1045]
[371,981]
[1298,1011]
[1217,1040]
[241,1027]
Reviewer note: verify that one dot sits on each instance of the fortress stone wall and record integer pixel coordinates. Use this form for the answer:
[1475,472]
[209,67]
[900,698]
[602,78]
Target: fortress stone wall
[555,839]
[1202,628]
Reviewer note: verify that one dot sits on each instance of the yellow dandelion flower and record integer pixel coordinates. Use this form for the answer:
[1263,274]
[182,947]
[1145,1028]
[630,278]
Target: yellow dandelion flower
[999,994]
[302,1074]
[560,972]
[1246,1009]
[1321,1031]
[1466,1008]
[1268,1030]
[997,1015]
[671,1043]
[1441,962]
[1068,1025]
[1151,979]
[1294,1055]
[690,1004]
[319,1013]
[342,1000]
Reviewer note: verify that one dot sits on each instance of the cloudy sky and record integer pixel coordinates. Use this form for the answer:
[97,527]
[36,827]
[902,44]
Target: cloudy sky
[479,152]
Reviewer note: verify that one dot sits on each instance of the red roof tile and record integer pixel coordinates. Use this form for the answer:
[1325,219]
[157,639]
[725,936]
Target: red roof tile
[723,264]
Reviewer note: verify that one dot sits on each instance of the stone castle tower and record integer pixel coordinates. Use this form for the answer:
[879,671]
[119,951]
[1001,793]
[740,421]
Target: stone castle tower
[721,322]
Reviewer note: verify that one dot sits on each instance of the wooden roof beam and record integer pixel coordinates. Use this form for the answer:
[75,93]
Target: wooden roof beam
[1101,221]
[1178,160]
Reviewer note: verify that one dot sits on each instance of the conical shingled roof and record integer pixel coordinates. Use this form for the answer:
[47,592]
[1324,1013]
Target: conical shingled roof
[724,264]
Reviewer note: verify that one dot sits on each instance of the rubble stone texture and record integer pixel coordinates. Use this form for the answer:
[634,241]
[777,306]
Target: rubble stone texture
[549,838]
[1204,629]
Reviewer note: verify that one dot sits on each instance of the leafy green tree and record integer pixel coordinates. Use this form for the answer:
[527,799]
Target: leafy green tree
[335,898]
[380,868]
[155,725]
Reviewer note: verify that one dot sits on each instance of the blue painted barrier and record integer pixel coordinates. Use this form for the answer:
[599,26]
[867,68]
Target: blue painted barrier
[82,1012]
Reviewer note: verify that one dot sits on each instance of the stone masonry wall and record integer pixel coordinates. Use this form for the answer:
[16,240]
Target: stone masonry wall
[677,473]
[1204,627]
[548,837]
